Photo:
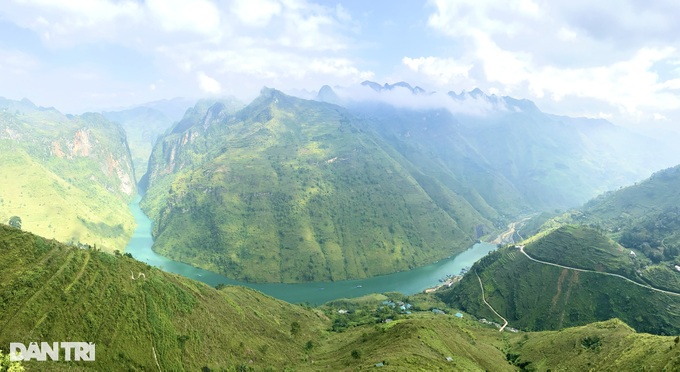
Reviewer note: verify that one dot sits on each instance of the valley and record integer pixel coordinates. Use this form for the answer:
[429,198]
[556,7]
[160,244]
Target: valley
[315,293]
[300,185]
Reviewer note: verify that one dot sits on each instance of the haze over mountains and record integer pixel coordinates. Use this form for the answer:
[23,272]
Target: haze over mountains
[67,177]
[439,185]
[366,185]
[286,189]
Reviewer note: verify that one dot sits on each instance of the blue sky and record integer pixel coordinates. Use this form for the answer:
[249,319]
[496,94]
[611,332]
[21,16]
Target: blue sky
[580,58]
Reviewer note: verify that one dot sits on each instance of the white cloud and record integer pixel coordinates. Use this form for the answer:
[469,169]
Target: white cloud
[256,13]
[403,97]
[208,84]
[445,71]
[560,51]
[246,42]
[198,16]
[658,116]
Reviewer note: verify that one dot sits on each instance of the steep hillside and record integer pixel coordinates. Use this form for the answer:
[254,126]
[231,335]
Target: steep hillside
[536,296]
[507,151]
[58,293]
[603,346]
[159,321]
[645,219]
[293,190]
[67,177]
[142,126]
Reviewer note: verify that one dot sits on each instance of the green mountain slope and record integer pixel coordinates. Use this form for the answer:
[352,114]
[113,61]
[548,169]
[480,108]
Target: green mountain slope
[535,296]
[513,156]
[645,219]
[603,346]
[57,293]
[51,292]
[67,177]
[292,190]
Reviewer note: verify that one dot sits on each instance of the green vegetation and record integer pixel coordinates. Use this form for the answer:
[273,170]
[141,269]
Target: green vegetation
[55,292]
[534,296]
[643,218]
[604,346]
[289,190]
[66,177]
[163,321]
[584,248]
[7,366]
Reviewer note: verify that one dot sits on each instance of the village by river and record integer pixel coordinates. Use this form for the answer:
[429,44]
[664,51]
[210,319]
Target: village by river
[315,293]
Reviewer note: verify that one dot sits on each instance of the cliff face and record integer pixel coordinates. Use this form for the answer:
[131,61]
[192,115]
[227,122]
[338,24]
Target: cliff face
[115,163]
[72,175]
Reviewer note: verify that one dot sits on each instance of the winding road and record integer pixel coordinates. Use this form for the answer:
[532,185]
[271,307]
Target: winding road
[507,236]
[491,307]
[521,249]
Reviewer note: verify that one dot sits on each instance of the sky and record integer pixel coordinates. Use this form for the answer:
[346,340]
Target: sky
[618,60]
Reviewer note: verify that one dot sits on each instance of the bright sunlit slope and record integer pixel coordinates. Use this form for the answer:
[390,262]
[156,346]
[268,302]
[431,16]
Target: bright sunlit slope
[67,177]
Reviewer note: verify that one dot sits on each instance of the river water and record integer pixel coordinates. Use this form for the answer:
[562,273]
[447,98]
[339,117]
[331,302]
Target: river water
[407,282]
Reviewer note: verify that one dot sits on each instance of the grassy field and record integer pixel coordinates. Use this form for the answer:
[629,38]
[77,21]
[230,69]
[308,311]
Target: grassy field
[52,292]
[583,248]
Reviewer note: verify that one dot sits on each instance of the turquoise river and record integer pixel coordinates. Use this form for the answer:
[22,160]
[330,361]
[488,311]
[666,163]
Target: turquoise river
[315,293]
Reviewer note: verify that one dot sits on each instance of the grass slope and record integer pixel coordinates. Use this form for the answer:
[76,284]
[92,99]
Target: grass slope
[644,218]
[51,292]
[584,248]
[51,206]
[603,346]
[534,296]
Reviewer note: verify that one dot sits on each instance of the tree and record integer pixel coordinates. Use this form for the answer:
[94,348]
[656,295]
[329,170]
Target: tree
[15,221]
[6,365]
[294,328]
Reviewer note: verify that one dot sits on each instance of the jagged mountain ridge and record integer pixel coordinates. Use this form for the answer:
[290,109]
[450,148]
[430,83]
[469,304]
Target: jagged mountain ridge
[318,190]
[480,171]
[553,162]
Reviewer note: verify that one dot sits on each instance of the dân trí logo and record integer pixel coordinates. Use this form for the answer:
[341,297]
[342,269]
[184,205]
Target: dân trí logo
[73,351]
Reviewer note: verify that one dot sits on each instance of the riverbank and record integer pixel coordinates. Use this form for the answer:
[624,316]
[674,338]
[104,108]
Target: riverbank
[315,293]
[447,284]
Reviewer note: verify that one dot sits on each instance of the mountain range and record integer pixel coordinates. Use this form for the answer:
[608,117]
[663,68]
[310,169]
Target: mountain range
[290,190]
